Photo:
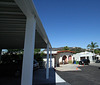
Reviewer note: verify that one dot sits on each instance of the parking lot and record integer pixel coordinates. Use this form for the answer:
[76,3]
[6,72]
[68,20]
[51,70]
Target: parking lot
[89,75]
[39,78]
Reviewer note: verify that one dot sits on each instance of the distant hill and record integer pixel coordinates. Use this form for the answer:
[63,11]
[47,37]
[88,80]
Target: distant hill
[76,49]
[56,49]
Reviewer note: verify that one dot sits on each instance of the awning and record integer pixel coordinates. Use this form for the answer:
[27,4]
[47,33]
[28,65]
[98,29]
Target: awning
[13,23]
[18,21]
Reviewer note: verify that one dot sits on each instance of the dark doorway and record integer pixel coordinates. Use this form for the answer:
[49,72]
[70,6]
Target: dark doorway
[64,59]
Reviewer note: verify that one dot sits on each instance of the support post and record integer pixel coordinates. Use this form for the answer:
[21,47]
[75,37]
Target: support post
[50,57]
[28,57]
[47,67]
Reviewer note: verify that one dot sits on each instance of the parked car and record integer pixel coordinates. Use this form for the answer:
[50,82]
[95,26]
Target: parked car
[14,68]
[84,62]
[97,61]
[35,65]
[11,68]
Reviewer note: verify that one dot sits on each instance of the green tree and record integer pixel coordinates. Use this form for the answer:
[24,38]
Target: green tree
[66,48]
[42,54]
[17,51]
[92,46]
[97,51]
[20,51]
[36,51]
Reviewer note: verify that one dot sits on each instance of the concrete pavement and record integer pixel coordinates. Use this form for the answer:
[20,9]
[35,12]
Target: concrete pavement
[89,75]
[95,64]
[69,67]
[65,75]
[60,81]
[39,78]
[54,78]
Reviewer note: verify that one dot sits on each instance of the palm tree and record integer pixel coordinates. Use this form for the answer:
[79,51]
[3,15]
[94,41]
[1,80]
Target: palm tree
[92,46]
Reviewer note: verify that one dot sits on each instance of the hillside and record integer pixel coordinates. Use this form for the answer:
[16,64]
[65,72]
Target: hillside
[76,49]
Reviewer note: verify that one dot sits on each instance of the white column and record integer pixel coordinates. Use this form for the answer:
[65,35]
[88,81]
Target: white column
[72,58]
[50,57]
[67,59]
[0,54]
[28,57]
[79,58]
[47,67]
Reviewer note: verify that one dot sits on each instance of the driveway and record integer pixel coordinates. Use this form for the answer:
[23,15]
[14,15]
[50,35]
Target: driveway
[95,64]
[39,78]
[69,67]
[89,75]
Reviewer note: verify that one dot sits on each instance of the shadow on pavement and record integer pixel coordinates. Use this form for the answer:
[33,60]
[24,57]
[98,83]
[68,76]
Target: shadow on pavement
[39,78]
[90,75]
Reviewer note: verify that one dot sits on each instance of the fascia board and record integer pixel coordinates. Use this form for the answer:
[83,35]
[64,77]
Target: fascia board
[28,8]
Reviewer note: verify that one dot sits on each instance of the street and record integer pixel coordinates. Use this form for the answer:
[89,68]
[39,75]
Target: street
[89,75]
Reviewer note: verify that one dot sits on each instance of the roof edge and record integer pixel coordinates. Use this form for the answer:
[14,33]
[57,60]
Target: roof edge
[28,8]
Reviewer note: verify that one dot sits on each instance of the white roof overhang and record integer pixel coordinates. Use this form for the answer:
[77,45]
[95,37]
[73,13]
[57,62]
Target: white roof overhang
[13,16]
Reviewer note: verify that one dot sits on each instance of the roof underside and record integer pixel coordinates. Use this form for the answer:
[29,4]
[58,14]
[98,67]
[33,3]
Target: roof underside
[12,27]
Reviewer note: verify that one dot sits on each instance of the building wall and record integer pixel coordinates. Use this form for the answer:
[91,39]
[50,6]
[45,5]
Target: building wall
[60,55]
[57,58]
[78,56]
[45,62]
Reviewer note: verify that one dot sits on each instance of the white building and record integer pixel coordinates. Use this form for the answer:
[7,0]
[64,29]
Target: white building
[52,60]
[85,55]
[59,56]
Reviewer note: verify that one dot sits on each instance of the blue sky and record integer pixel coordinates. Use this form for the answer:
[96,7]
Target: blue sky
[73,23]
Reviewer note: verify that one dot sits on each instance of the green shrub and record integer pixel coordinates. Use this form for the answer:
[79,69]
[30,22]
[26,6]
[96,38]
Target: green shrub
[77,62]
[38,57]
[70,62]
